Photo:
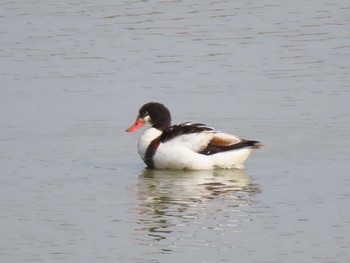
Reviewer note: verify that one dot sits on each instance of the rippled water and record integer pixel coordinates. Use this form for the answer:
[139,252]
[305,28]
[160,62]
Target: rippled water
[73,75]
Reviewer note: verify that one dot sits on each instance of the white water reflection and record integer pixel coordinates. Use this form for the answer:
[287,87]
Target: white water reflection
[171,201]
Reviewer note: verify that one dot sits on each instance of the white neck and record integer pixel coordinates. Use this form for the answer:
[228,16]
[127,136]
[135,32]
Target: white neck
[146,138]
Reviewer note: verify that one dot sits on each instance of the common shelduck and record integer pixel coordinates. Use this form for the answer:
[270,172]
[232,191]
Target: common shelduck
[188,145]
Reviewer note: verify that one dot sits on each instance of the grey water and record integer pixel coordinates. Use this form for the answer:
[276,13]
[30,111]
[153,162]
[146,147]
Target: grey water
[74,74]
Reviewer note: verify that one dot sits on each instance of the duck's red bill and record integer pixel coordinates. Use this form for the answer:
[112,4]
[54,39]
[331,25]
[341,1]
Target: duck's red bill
[137,125]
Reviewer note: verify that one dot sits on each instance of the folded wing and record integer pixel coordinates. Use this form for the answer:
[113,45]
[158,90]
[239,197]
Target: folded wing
[203,139]
[222,142]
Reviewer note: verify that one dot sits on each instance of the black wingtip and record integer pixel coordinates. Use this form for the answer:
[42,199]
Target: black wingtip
[255,144]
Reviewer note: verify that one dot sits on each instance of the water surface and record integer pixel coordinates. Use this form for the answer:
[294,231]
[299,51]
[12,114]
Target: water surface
[73,76]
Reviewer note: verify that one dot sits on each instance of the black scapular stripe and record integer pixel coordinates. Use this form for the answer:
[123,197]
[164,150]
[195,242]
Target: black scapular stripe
[182,129]
[213,149]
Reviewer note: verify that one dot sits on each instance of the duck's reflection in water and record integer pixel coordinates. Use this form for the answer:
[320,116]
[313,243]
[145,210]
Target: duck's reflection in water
[172,200]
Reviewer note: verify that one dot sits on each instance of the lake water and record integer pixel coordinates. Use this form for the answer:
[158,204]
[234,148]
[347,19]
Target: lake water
[73,76]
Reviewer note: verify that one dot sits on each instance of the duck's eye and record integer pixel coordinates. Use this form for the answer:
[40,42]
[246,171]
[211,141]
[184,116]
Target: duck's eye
[144,113]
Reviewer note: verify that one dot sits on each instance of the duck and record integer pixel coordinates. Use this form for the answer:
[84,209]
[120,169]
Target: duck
[188,145]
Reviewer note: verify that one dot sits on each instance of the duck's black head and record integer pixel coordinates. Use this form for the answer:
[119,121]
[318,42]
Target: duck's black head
[153,113]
